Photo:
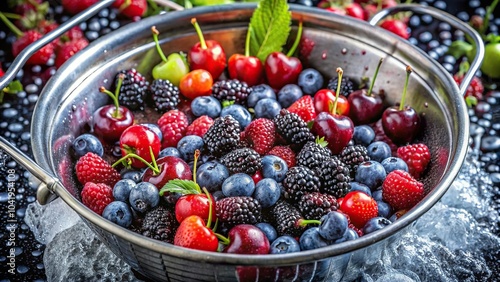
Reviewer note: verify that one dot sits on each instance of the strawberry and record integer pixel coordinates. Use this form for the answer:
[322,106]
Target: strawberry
[131,8]
[68,49]
[359,207]
[96,196]
[92,168]
[416,156]
[76,6]
[173,125]
[192,233]
[284,152]
[401,190]
[199,126]
[260,135]
[397,27]
[41,56]
[304,107]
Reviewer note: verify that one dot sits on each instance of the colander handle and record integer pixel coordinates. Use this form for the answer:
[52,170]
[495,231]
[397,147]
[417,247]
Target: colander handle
[49,182]
[31,49]
[447,18]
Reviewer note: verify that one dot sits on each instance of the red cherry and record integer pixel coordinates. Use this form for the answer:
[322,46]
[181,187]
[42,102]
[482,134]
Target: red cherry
[247,239]
[194,204]
[397,27]
[282,70]
[139,140]
[170,167]
[108,123]
[207,54]
[246,68]
[324,97]
[356,11]
[192,233]
[196,83]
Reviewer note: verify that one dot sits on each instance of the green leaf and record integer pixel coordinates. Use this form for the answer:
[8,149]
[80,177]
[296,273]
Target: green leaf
[471,101]
[269,28]
[459,48]
[181,186]
[321,141]
[493,38]
[13,87]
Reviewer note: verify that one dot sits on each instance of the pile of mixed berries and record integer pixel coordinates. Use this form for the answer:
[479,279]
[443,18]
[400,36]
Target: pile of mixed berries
[249,156]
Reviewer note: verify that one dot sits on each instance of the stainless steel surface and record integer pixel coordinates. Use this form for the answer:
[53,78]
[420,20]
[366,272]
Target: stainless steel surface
[70,97]
[31,49]
[454,22]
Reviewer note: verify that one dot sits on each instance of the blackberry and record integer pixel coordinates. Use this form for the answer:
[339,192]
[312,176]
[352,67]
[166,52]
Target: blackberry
[239,210]
[346,88]
[223,136]
[159,224]
[292,128]
[298,181]
[287,219]
[315,205]
[244,160]
[353,155]
[231,90]
[334,177]
[313,154]
[164,94]
[133,89]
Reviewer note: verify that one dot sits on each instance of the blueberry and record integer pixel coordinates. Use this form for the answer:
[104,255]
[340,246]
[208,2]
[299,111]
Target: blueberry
[310,240]
[310,80]
[206,105]
[333,225]
[211,175]
[169,151]
[86,143]
[284,245]
[268,230]
[122,188]
[119,213]
[144,197]
[260,92]
[375,224]
[377,195]
[267,108]
[218,195]
[379,151]
[239,113]
[363,135]
[384,209]
[370,173]
[188,145]
[239,184]
[349,235]
[356,186]
[274,167]
[393,163]
[155,128]
[267,192]
[288,94]
[134,175]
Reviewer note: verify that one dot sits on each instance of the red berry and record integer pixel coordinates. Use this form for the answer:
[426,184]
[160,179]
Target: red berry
[401,191]
[260,135]
[397,27]
[416,156]
[173,125]
[194,204]
[192,233]
[76,6]
[41,56]
[92,168]
[134,8]
[96,196]
[139,140]
[68,49]
[284,152]
[200,126]
[304,107]
[359,207]
[475,87]
[196,83]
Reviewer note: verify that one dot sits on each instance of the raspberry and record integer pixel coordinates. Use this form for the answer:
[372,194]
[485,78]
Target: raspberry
[231,90]
[200,126]
[475,88]
[401,190]
[96,196]
[173,125]
[260,135]
[223,136]
[284,152]
[239,210]
[416,156]
[164,94]
[92,168]
[133,89]
[304,108]
[244,160]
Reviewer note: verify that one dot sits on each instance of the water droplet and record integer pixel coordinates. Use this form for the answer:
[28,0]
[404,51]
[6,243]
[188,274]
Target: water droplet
[343,51]
[22,269]
[426,104]
[323,55]
[363,52]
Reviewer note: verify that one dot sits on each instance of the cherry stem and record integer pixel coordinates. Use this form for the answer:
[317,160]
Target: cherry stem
[158,48]
[153,167]
[224,240]
[210,204]
[247,41]
[124,5]
[305,222]
[10,25]
[408,72]
[374,77]
[339,82]
[296,42]
[200,33]
[489,11]
[114,97]
[12,16]
[196,156]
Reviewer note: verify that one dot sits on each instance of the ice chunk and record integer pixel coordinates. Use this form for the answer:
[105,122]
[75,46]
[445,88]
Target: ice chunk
[76,254]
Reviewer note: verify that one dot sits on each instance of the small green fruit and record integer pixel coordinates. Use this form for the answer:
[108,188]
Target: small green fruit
[491,63]
[173,69]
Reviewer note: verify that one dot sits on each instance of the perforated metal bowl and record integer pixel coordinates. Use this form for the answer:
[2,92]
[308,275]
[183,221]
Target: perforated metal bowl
[70,97]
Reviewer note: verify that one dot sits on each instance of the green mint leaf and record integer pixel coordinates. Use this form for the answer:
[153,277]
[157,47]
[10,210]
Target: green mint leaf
[269,28]
[181,186]
[459,48]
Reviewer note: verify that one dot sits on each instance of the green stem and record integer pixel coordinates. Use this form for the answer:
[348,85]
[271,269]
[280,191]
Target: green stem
[408,72]
[200,33]
[489,12]
[196,156]
[12,16]
[247,41]
[374,77]
[158,48]
[305,222]
[224,240]
[210,204]
[296,42]
[10,25]
[154,167]
[340,72]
